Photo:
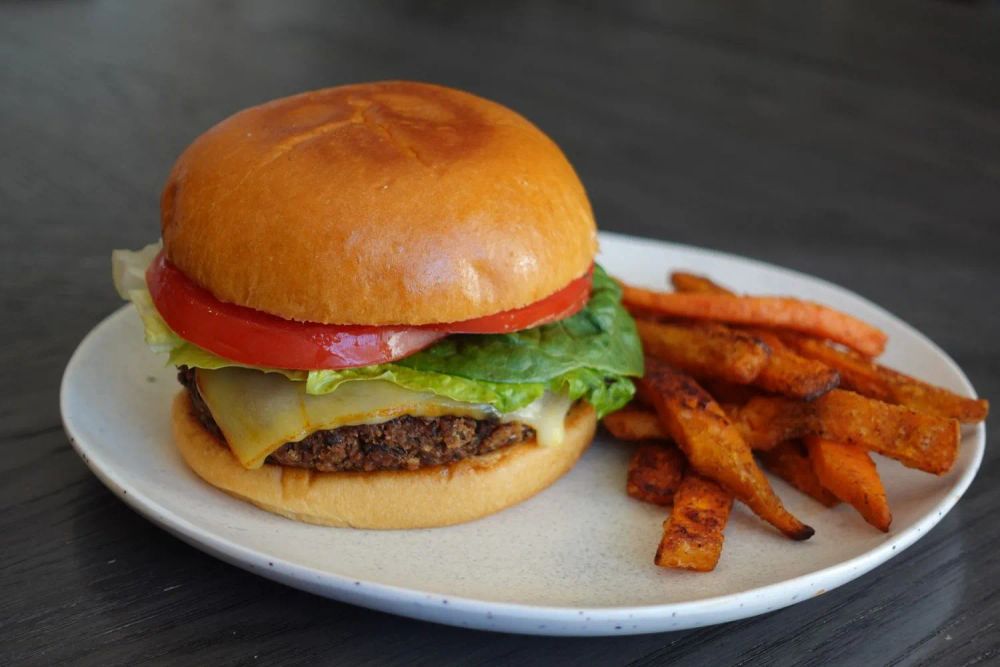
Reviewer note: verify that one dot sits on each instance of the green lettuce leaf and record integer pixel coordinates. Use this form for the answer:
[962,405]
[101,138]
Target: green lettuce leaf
[189,354]
[588,356]
[601,337]
[505,396]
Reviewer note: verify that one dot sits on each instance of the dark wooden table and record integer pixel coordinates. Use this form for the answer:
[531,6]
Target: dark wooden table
[855,140]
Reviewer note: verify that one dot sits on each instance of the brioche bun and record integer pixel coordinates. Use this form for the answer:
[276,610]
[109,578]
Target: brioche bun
[379,203]
[424,498]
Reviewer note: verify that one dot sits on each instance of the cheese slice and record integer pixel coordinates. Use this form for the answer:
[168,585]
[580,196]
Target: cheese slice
[258,412]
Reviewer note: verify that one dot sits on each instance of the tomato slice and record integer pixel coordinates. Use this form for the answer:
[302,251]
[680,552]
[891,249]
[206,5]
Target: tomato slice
[256,338]
[567,301]
[259,339]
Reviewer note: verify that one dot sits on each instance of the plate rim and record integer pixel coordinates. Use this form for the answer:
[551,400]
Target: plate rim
[523,617]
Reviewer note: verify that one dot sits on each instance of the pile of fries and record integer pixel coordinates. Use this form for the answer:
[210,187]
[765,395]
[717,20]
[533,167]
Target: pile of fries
[736,380]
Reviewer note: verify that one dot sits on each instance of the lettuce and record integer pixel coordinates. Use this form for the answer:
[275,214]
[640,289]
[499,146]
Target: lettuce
[504,396]
[588,356]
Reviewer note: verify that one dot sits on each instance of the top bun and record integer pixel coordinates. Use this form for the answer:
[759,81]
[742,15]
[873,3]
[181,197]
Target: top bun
[377,203]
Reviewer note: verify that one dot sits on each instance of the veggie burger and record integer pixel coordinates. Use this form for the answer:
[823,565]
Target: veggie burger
[383,306]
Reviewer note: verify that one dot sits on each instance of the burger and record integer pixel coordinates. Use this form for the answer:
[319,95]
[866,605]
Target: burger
[383,306]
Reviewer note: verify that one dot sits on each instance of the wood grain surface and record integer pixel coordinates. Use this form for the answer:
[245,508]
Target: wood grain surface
[855,140]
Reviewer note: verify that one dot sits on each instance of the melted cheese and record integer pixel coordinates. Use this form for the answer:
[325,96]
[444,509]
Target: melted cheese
[259,412]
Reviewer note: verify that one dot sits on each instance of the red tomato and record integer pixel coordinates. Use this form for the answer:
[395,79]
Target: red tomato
[567,301]
[256,338]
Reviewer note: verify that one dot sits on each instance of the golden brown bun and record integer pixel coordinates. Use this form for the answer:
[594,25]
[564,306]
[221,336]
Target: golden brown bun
[438,496]
[379,203]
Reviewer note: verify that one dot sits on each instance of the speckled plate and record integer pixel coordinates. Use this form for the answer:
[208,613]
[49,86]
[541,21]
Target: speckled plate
[574,560]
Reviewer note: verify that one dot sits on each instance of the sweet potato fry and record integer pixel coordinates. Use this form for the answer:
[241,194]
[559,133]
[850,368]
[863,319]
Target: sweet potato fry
[924,397]
[767,311]
[922,441]
[712,445]
[693,535]
[635,424]
[789,462]
[866,377]
[654,473]
[693,283]
[849,473]
[790,374]
[786,372]
[766,421]
[705,350]
[858,373]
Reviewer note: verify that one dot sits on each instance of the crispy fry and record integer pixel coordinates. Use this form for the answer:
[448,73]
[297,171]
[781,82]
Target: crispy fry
[654,473]
[790,374]
[924,397]
[705,350]
[693,283]
[635,424]
[789,462]
[850,474]
[710,332]
[786,372]
[766,311]
[857,372]
[922,441]
[693,535]
[766,421]
[712,445]
[865,377]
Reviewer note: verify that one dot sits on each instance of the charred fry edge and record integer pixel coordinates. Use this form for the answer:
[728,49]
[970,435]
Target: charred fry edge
[693,534]
[915,439]
[866,377]
[713,446]
[705,350]
[655,472]
[791,374]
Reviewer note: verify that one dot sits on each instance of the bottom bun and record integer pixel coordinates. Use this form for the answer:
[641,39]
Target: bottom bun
[392,499]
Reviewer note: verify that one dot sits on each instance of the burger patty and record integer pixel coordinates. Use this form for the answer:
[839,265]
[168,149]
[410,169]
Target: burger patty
[403,443]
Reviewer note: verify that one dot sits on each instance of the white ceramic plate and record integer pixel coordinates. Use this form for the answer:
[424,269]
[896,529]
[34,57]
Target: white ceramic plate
[574,560]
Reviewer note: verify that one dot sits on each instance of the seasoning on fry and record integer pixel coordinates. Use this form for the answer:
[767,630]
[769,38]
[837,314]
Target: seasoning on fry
[790,462]
[850,474]
[693,535]
[712,445]
[654,473]
[767,311]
